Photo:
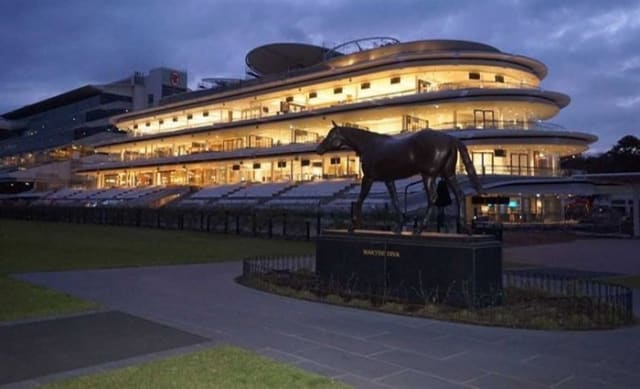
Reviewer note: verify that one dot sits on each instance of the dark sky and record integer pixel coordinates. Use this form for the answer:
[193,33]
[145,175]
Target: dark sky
[592,47]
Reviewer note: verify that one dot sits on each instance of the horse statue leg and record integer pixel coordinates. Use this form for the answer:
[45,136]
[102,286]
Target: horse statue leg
[429,183]
[457,193]
[357,209]
[391,188]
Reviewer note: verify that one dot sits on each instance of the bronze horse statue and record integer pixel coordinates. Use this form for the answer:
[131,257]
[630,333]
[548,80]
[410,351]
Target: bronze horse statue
[432,154]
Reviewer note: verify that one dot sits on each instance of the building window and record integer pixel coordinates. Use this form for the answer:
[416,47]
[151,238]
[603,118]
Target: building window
[175,119]
[499,78]
[205,114]
[235,167]
[189,116]
[335,161]
[256,165]
[474,76]
[289,99]
[337,91]
[135,126]
[282,164]
[161,122]
[395,80]
[148,124]
[313,95]
[305,162]
[365,85]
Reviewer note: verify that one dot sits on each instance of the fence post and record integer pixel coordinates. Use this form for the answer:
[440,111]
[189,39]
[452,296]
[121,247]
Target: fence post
[318,223]
[284,224]
[254,227]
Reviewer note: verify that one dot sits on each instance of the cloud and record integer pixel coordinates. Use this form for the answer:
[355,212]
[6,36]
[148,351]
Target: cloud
[590,46]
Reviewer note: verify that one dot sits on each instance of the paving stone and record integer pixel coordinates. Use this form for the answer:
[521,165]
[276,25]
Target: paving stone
[585,370]
[504,366]
[358,365]
[477,333]
[279,355]
[422,343]
[355,328]
[493,381]
[261,338]
[361,383]
[452,371]
[324,338]
[412,379]
[581,383]
[320,369]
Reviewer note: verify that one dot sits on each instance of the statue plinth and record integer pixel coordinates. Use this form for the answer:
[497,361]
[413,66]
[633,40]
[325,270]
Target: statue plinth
[453,268]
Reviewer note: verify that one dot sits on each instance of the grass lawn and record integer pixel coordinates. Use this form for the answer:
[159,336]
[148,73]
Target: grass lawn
[628,281]
[224,367]
[38,246]
[21,300]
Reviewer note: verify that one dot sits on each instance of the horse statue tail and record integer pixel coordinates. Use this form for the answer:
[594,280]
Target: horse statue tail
[468,166]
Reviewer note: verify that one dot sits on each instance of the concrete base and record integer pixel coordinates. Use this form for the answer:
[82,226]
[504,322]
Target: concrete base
[453,268]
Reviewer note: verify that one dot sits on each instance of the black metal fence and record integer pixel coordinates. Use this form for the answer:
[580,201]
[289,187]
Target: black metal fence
[596,296]
[605,303]
[258,222]
[250,222]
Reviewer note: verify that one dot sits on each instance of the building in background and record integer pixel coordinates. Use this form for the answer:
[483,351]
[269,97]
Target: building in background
[59,130]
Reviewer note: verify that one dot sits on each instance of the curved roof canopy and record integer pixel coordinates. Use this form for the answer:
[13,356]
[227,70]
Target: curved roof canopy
[283,57]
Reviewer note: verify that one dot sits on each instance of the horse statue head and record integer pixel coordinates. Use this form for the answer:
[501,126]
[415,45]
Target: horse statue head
[333,141]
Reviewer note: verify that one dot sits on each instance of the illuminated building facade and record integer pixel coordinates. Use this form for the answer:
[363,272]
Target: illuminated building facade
[266,129]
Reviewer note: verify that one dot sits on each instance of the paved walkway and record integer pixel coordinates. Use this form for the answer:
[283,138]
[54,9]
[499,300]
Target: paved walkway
[599,255]
[364,348]
[44,347]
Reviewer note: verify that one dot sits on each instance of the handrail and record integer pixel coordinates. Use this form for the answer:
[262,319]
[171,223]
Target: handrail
[406,192]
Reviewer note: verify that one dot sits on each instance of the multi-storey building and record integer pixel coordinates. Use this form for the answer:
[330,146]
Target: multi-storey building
[266,129]
[58,128]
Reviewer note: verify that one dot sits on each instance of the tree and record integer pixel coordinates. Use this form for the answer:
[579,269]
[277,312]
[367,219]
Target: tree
[623,157]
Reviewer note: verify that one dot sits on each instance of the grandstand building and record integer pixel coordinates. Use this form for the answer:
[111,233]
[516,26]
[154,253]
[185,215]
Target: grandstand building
[254,140]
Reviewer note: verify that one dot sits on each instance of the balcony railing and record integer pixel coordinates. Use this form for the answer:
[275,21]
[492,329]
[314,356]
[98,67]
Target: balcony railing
[509,170]
[498,125]
[346,99]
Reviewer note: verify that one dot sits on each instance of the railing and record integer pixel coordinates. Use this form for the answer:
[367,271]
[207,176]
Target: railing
[481,84]
[604,302]
[598,297]
[529,171]
[498,125]
[405,92]
[240,220]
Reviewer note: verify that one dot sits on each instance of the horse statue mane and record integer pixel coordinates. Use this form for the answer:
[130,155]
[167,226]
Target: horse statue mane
[431,154]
